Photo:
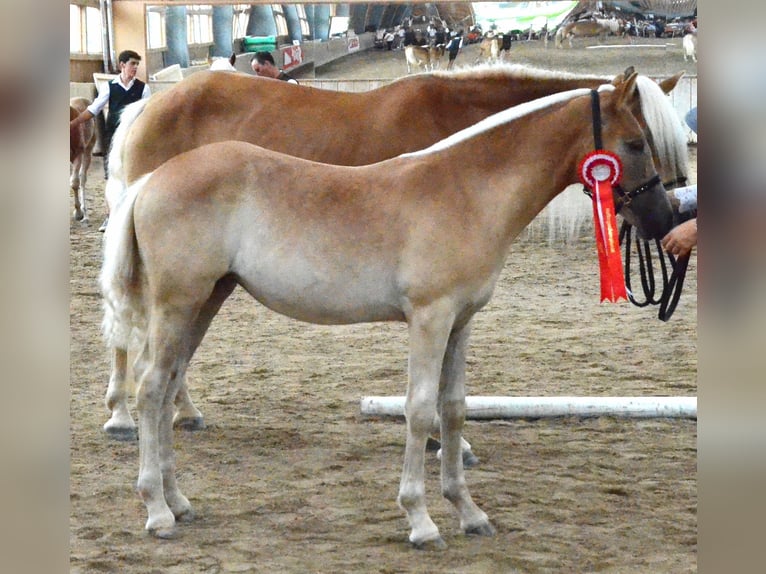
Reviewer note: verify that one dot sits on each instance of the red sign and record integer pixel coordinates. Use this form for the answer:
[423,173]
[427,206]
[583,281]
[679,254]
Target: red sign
[292,56]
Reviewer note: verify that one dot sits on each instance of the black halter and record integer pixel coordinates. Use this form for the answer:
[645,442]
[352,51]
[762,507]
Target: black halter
[624,198]
[671,284]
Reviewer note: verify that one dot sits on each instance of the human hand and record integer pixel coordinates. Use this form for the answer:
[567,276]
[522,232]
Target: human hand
[680,240]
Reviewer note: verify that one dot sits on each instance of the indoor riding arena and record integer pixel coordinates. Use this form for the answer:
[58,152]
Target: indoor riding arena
[289,475]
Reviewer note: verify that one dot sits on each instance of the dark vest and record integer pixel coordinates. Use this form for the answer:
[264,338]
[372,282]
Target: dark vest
[118,99]
[285,77]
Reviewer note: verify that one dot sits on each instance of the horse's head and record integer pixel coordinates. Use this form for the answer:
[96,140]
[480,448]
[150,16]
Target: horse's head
[650,105]
[640,196]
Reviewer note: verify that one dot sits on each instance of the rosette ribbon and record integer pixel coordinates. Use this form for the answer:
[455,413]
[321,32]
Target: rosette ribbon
[599,171]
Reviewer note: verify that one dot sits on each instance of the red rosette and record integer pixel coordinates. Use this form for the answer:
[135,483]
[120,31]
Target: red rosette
[599,171]
[599,166]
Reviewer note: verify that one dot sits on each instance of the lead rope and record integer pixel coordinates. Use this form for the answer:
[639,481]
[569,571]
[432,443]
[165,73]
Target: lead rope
[671,286]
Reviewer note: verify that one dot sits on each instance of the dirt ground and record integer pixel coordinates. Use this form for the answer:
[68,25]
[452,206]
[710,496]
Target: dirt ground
[289,477]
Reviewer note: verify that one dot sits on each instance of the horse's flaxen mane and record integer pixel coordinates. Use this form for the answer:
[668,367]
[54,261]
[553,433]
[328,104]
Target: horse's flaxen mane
[504,117]
[666,130]
[519,71]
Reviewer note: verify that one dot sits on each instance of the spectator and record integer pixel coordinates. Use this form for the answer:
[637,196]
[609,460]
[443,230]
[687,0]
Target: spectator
[263,64]
[683,237]
[121,91]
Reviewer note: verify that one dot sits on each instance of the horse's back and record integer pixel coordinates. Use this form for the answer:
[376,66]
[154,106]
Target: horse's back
[209,106]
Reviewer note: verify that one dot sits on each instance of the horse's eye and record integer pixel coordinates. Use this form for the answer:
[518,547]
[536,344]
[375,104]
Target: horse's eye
[636,145]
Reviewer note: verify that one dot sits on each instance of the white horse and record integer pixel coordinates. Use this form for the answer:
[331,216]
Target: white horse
[224,64]
[690,47]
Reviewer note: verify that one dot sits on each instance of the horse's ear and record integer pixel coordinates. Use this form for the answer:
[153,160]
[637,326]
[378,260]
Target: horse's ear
[668,84]
[626,89]
[628,71]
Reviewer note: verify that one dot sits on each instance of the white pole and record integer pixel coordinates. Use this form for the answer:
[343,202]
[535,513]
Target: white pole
[538,407]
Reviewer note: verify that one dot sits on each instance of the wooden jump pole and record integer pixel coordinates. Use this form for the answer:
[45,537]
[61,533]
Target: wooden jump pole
[540,407]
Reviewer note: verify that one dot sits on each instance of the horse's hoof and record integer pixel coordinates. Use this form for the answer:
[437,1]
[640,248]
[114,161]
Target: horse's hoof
[469,459]
[184,516]
[167,533]
[483,529]
[124,434]
[432,544]
[189,423]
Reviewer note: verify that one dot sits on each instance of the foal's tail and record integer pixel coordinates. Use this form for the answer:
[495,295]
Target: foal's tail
[117,185]
[122,280]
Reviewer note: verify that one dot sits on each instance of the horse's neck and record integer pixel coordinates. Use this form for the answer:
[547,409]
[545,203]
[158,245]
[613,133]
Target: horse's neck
[516,169]
[495,94]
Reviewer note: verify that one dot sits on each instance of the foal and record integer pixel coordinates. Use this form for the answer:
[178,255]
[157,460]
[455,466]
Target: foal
[424,244]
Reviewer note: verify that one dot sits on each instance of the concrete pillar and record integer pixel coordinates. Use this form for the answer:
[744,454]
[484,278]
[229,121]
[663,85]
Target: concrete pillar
[175,33]
[261,22]
[293,22]
[222,33]
[321,22]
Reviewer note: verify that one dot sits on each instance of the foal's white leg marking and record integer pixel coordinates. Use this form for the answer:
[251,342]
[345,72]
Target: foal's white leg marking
[120,425]
[428,332]
[452,407]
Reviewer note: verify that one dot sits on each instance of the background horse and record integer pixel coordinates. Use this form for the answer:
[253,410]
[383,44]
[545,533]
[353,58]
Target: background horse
[424,244]
[436,55]
[489,49]
[224,64]
[188,116]
[587,29]
[689,44]
[81,141]
[417,57]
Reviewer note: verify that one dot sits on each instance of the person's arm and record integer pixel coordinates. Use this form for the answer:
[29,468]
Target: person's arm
[92,110]
[84,116]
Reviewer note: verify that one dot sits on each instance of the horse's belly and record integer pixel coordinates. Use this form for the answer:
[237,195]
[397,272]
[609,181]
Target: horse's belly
[321,295]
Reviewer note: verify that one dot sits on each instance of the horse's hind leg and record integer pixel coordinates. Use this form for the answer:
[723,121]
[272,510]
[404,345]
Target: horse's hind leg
[452,407]
[157,368]
[187,416]
[76,185]
[84,167]
[120,425]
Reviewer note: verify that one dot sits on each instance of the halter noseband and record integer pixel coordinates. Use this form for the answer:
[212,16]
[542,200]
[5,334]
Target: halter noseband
[624,198]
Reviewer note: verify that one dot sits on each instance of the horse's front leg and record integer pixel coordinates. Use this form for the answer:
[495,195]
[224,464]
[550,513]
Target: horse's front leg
[188,416]
[452,408]
[429,329]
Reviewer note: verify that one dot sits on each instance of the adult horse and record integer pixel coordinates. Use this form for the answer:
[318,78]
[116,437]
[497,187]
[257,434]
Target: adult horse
[81,141]
[423,244]
[231,106]
[689,44]
[586,29]
[489,49]
[417,57]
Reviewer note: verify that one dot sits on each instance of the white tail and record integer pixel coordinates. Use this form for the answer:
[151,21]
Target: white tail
[121,275]
[116,185]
